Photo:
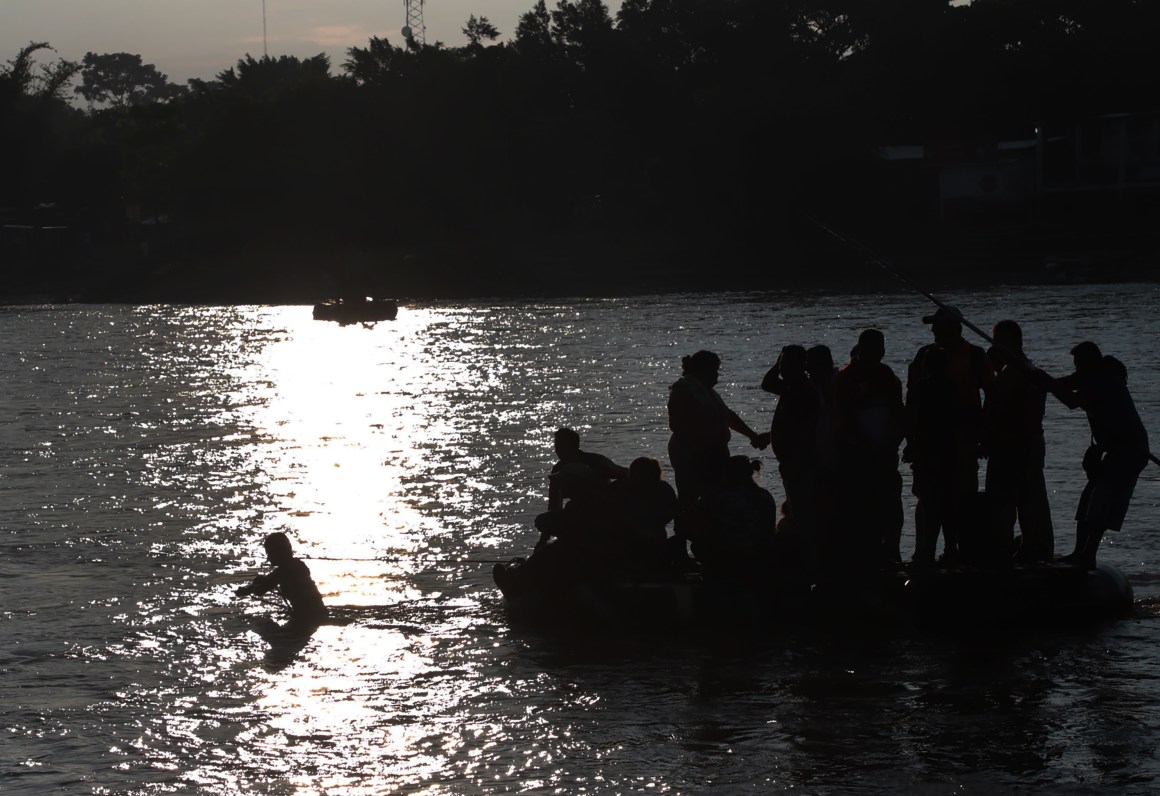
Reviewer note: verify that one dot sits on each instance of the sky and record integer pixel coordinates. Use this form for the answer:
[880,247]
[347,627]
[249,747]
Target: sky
[200,38]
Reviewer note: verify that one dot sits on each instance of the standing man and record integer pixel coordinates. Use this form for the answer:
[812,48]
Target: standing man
[1013,442]
[1119,450]
[932,406]
[970,368]
[793,435]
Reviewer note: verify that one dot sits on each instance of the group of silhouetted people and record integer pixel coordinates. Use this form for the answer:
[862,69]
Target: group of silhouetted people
[602,518]
[838,435]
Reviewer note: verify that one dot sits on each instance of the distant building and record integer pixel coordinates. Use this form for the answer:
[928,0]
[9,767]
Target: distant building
[1106,166]
[972,181]
[1108,163]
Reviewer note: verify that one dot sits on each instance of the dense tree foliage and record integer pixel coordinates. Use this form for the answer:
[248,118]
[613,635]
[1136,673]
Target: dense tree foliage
[121,79]
[478,30]
[20,78]
[680,131]
[39,133]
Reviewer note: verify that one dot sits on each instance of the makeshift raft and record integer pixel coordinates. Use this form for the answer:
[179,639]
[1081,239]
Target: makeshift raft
[931,599]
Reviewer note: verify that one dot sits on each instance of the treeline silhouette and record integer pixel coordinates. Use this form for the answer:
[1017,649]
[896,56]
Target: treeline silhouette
[685,137]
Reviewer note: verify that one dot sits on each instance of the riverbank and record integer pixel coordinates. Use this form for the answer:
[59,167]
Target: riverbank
[270,273]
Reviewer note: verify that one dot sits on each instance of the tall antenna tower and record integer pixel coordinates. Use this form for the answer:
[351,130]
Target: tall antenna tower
[265,49]
[415,32]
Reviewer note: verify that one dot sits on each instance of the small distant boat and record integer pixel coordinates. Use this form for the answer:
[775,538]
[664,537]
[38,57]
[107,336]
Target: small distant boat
[347,311]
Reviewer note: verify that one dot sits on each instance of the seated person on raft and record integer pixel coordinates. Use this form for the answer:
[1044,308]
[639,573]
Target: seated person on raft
[567,445]
[603,529]
[577,474]
[736,525]
[644,505]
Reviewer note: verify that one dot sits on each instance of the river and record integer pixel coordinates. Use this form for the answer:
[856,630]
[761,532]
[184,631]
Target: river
[147,450]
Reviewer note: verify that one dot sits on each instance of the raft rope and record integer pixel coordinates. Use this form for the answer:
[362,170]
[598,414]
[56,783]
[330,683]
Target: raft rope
[418,560]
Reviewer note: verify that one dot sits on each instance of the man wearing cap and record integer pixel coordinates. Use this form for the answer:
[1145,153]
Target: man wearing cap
[970,368]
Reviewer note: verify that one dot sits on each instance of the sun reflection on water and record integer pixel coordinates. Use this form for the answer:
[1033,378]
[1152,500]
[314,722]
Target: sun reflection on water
[347,415]
[352,441]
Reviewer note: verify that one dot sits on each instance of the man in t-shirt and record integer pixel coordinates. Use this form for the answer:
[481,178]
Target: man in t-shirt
[1119,450]
[578,499]
[576,466]
[1014,444]
[291,579]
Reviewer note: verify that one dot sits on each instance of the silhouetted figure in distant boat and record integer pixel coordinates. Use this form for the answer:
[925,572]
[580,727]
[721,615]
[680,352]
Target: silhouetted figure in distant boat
[701,424]
[355,277]
[970,368]
[1012,435]
[870,427]
[1119,449]
[291,579]
[793,434]
[735,535]
[932,406]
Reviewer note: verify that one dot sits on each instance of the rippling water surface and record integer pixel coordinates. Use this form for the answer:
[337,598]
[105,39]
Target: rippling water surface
[145,452]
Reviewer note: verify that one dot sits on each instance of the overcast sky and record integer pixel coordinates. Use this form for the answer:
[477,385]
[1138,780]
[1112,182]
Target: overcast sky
[200,38]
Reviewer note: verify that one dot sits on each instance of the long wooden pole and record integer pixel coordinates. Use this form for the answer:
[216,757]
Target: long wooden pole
[885,267]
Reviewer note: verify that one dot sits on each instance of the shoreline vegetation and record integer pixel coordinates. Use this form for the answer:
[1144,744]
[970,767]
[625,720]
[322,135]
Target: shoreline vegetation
[292,280]
[447,272]
[675,145]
